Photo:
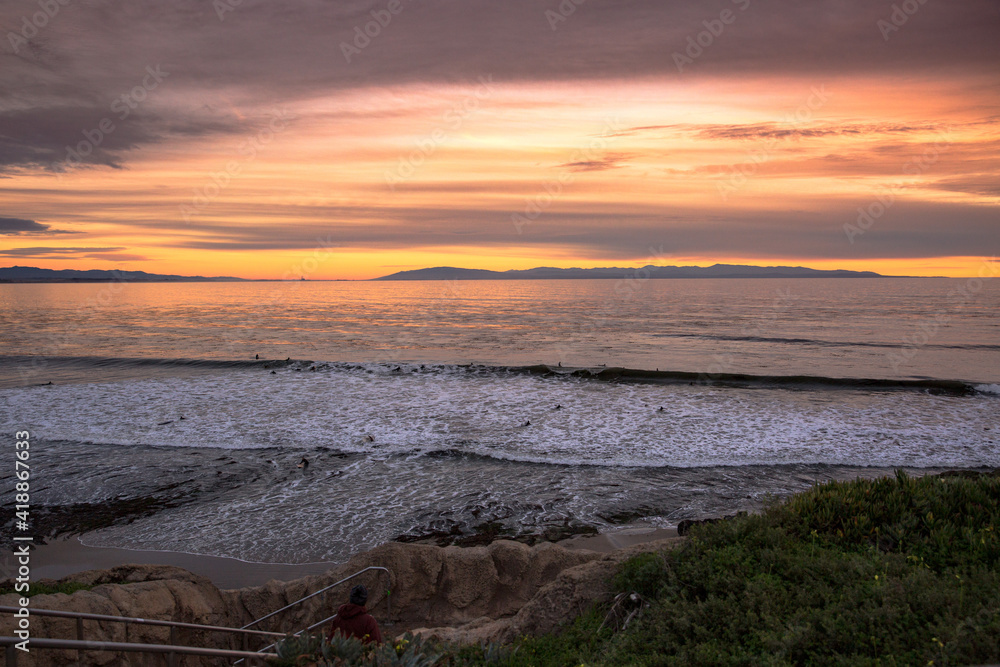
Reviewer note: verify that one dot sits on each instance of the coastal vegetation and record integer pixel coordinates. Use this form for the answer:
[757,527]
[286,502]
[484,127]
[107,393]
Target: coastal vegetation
[893,571]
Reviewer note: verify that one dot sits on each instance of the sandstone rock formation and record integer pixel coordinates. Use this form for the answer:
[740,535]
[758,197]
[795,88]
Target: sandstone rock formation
[568,594]
[496,592]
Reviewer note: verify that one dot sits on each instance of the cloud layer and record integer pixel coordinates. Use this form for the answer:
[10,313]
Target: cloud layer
[729,128]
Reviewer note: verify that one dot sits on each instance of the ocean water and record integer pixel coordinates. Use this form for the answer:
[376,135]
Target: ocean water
[440,406]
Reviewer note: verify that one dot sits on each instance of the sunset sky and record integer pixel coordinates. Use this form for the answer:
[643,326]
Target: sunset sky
[276,138]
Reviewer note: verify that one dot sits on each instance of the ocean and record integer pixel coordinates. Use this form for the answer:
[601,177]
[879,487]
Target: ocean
[447,408]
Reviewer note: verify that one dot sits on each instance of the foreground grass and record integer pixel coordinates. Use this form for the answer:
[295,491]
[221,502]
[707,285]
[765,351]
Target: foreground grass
[896,571]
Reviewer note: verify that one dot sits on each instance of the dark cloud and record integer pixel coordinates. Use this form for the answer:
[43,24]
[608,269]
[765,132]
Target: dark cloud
[67,253]
[63,138]
[804,230]
[792,130]
[610,161]
[984,185]
[20,227]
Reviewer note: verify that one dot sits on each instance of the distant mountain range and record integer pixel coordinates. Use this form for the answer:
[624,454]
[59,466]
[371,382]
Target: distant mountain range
[550,273]
[30,274]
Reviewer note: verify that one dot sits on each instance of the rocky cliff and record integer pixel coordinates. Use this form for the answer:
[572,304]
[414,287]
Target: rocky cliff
[495,592]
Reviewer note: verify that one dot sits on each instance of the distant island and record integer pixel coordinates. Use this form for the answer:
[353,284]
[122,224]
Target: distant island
[30,274]
[649,271]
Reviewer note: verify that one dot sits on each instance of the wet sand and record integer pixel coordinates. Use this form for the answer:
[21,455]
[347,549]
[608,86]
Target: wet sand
[63,557]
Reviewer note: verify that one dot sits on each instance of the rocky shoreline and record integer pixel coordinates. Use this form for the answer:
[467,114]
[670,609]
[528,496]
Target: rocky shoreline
[62,521]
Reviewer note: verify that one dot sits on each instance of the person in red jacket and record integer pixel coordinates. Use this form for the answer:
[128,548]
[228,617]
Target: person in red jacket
[353,619]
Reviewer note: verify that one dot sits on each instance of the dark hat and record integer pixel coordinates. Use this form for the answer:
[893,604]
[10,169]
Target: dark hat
[359,595]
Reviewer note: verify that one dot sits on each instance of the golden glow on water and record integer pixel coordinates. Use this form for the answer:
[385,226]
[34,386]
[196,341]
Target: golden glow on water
[825,327]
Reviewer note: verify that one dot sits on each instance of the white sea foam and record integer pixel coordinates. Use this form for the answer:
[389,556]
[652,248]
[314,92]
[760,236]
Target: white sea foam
[450,446]
[380,412]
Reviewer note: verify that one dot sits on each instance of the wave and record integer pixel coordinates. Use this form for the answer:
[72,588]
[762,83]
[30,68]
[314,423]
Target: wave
[821,343]
[27,370]
[934,386]
[139,362]
[638,375]
[569,462]
[23,370]
[249,465]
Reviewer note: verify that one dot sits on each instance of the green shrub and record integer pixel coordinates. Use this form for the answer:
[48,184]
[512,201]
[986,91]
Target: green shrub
[645,574]
[895,571]
[947,521]
[291,649]
[409,651]
[813,581]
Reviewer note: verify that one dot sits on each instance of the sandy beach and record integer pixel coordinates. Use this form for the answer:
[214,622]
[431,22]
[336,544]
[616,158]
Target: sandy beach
[65,556]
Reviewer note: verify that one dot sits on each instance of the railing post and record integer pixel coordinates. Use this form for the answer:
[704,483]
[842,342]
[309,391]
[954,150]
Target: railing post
[388,596]
[79,635]
[172,657]
[11,655]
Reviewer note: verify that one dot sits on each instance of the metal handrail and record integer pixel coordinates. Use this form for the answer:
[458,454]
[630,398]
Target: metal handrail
[11,651]
[80,645]
[388,605]
[318,624]
[145,621]
[301,632]
[324,590]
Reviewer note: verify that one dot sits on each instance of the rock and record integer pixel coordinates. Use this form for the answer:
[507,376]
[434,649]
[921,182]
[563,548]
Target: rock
[569,592]
[143,591]
[494,592]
